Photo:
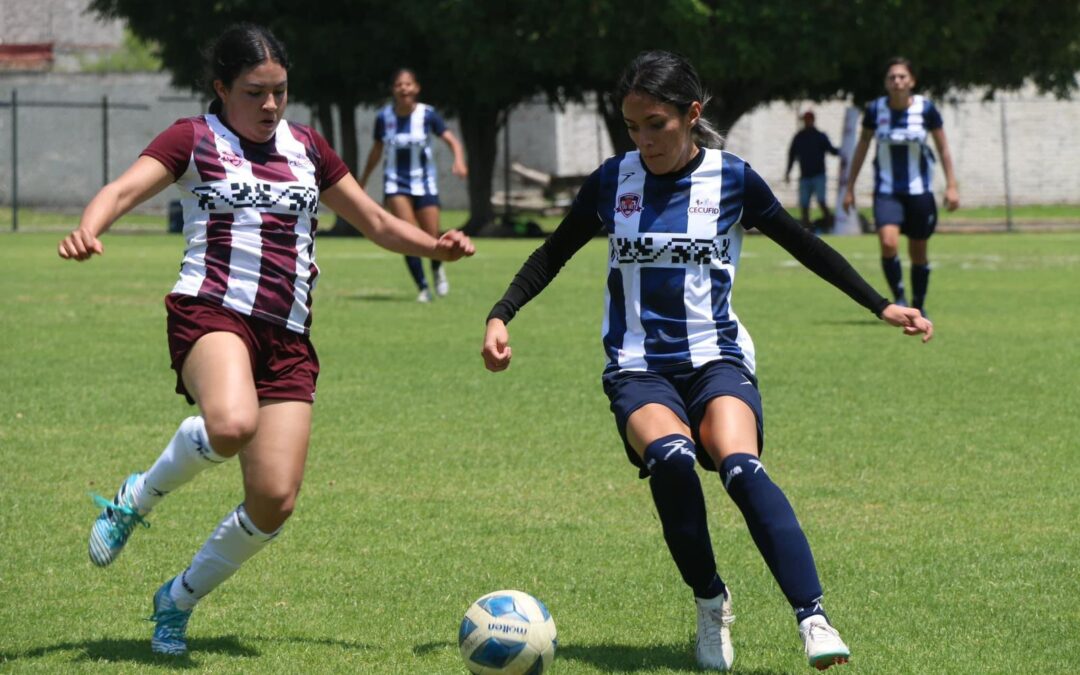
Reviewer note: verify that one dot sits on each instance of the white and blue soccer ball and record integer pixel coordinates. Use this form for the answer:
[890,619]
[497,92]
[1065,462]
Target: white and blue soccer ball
[507,633]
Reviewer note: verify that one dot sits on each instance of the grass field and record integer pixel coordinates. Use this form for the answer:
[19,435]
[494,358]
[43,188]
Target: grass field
[938,484]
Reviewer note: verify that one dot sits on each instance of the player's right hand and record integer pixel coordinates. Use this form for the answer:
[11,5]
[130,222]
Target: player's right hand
[849,200]
[79,245]
[496,351]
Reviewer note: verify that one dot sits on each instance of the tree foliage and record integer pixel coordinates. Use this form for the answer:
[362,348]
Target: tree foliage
[477,59]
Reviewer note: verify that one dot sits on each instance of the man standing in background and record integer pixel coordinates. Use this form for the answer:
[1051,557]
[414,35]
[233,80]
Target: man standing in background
[809,147]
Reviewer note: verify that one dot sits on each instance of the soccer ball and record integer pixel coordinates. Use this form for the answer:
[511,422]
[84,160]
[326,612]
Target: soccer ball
[507,633]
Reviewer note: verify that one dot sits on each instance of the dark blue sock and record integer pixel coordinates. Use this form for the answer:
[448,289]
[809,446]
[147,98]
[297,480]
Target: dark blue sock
[416,269]
[775,530]
[894,274]
[920,280]
[676,491]
[435,265]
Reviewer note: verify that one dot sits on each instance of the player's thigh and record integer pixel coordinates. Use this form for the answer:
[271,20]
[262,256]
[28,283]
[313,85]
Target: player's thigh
[217,373]
[273,462]
[651,422]
[428,218]
[402,207]
[728,427]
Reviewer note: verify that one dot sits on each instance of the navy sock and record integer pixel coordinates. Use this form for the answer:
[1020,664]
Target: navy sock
[920,280]
[775,530]
[416,269]
[679,500]
[894,274]
[435,265]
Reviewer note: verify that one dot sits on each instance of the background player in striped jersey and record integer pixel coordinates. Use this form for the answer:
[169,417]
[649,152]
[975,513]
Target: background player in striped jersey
[903,176]
[405,129]
[681,367]
[239,317]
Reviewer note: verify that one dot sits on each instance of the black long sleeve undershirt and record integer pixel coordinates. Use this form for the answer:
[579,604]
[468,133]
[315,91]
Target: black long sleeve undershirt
[575,231]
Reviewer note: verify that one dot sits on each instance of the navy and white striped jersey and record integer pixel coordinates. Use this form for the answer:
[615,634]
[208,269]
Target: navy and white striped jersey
[904,161]
[673,250]
[408,159]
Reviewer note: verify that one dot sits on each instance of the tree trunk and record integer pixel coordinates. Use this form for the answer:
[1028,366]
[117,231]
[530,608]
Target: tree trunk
[349,154]
[611,111]
[479,131]
[324,115]
[350,151]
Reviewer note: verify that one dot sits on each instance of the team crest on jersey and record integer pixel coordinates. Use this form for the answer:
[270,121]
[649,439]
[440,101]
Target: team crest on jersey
[629,203]
[232,158]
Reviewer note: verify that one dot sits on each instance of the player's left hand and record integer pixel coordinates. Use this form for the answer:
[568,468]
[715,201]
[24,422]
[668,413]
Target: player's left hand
[459,170]
[910,319]
[453,245]
[952,198]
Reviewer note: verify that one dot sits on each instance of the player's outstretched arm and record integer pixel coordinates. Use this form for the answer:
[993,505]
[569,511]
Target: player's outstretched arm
[910,319]
[496,350]
[349,201]
[144,179]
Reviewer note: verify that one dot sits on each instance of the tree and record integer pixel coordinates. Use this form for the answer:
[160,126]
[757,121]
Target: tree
[750,52]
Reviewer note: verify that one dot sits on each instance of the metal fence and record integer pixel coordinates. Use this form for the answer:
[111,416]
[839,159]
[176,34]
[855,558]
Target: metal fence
[104,106]
[63,137]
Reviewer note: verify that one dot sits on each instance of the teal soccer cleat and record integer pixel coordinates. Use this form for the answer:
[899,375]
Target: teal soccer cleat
[171,623]
[113,527]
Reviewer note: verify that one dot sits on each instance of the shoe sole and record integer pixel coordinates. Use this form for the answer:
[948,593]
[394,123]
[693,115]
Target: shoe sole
[826,661]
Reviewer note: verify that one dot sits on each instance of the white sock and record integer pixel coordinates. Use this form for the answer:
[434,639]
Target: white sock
[187,454]
[234,541]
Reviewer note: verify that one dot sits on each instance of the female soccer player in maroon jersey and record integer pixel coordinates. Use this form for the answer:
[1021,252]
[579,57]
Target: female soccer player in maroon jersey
[239,316]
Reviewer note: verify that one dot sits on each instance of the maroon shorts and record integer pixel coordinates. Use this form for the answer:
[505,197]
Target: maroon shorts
[283,363]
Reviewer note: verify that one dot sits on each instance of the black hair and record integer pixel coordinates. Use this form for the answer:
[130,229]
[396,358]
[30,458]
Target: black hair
[401,71]
[899,61]
[669,78]
[241,46]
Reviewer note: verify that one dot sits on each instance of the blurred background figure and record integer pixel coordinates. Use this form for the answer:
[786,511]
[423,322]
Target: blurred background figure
[809,147]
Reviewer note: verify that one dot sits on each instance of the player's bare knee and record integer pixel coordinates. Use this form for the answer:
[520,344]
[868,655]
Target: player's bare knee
[231,432]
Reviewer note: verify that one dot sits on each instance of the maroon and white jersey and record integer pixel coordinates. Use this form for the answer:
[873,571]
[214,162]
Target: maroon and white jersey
[250,214]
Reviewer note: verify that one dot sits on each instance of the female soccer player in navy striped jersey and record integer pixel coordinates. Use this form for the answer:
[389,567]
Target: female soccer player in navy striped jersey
[681,367]
[405,128]
[903,177]
[240,315]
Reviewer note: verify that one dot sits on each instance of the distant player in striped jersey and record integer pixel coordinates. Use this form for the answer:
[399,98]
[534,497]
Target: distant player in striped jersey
[903,177]
[239,317]
[404,130]
[680,369]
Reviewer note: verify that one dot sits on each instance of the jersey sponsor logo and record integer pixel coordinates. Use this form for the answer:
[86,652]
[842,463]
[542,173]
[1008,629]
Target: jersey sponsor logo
[673,250]
[300,162]
[627,176]
[629,203]
[709,207]
[229,157]
[299,198]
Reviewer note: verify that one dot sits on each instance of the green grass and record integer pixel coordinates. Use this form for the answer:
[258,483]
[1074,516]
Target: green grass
[937,483]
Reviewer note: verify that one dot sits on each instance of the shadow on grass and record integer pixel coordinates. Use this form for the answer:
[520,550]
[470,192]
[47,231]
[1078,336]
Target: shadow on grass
[379,296]
[614,658]
[138,651]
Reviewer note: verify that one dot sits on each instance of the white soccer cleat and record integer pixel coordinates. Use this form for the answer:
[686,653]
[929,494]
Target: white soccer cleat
[714,618]
[823,645]
[424,296]
[442,285]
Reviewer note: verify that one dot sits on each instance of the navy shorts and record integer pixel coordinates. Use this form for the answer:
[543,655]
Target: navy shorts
[418,201]
[915,214]
[685,394]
